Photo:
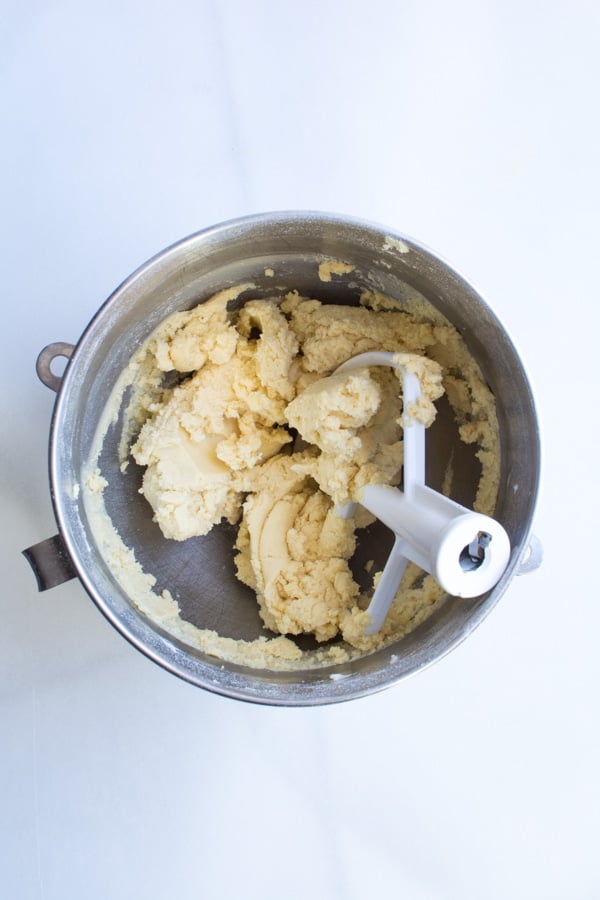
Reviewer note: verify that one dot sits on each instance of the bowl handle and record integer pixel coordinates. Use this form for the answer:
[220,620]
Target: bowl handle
[532,556]
[50,562]
[45,360]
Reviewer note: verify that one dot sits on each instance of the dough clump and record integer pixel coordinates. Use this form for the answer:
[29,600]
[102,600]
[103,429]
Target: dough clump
[225,419]
[257,429]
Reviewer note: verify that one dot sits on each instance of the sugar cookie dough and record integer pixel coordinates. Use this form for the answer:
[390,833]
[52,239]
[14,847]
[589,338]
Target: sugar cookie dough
[330,267]
[257,430]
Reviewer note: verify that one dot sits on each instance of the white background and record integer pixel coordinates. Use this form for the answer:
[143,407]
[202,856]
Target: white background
[472,126]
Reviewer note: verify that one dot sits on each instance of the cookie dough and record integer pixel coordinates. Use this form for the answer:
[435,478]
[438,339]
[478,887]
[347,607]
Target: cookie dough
[330,267]
[261,433]
[225,420]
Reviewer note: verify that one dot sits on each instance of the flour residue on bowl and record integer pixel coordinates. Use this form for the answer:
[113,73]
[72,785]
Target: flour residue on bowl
[222,443]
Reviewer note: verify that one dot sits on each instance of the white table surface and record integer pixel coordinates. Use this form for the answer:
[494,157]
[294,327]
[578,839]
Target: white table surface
[472,126]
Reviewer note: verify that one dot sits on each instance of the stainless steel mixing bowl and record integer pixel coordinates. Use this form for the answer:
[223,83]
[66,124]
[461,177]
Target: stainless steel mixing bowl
[200,572]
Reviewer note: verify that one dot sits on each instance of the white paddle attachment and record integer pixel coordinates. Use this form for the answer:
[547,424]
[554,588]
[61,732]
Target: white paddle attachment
[466,552]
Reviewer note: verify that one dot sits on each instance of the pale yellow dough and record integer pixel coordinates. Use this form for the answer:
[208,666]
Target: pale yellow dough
[219,447]
[224,420]
[330,267]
